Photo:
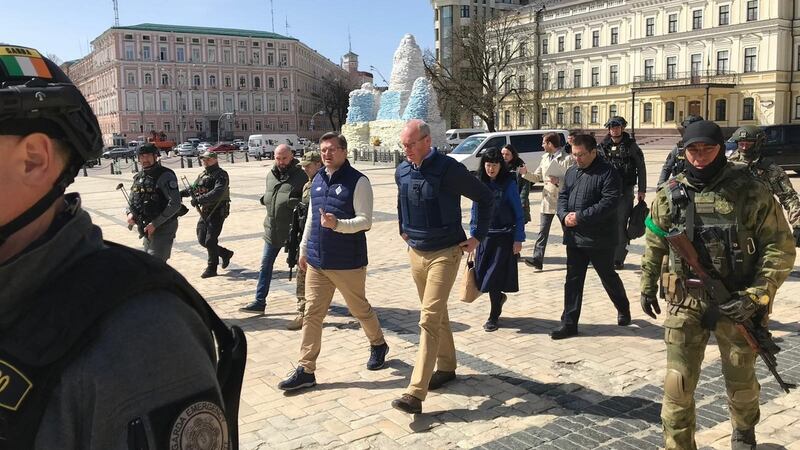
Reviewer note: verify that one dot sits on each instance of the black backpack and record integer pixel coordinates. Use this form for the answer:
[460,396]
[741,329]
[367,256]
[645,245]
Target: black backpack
[62,321]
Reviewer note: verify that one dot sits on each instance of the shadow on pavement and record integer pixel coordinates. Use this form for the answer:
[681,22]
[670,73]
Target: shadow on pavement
[535,325]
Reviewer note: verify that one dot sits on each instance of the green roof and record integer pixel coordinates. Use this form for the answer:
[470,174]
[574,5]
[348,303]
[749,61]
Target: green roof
[204,30]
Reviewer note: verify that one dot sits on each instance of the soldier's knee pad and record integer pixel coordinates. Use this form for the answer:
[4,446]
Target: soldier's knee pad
[675,388]
[744,396]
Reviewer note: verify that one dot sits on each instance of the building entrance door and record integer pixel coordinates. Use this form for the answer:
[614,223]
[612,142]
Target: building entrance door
[694,108]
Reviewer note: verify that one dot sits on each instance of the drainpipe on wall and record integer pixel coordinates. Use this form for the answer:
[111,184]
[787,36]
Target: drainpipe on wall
[794,55]
[538,64]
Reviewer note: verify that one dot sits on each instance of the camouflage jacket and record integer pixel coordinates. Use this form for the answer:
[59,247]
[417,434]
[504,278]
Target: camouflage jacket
[778,182]
[736,198]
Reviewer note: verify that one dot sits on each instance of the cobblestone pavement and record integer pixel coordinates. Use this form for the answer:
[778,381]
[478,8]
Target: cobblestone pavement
[516,388]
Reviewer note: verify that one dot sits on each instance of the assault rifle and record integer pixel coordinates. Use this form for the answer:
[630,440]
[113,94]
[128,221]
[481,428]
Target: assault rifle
[140,224]
[191,190]
[757,338]
[295,235]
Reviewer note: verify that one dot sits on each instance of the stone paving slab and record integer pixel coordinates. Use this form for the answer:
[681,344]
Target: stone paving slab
[516,387]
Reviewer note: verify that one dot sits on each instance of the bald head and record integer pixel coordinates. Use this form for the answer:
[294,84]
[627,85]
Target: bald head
[283,156]
[416,140]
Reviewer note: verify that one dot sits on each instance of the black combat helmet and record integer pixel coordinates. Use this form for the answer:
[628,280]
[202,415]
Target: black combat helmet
[147,148]
[36,96]
[616,121]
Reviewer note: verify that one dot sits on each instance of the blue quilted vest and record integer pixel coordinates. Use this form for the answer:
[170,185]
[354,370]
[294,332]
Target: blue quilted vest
[429,215]
[327,249]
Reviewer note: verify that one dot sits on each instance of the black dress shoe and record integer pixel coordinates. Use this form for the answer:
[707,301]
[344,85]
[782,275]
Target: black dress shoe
[440,378]
[533,262]
[624,320]
[408,404]
[619,265]
[563,333]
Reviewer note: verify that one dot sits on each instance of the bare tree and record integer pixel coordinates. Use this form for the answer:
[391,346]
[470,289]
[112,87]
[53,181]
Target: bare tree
[53,57]
[334,98]
[478,76]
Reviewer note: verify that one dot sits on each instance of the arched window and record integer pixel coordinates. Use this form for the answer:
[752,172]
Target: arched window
[669,112]
[196,80]
[256,82]
[576,115]
[720,109]
[148,79]
[648,112]
[242,82]
[164,79]
[212,80]
[748,109]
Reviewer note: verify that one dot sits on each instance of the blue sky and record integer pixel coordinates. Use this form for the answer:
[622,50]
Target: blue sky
[376,26]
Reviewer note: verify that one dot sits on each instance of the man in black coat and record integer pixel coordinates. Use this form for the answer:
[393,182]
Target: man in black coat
[587,209]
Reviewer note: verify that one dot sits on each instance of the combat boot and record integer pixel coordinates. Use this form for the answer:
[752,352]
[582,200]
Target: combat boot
[211,271]
[743,439]
[226,258]
[296,323]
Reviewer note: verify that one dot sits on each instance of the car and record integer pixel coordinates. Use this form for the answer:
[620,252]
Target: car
[119,152]
[527,142]
[203,146]
[730,147]
[187,149]
[782,145]
[239,142]
[224,148]
[194,141]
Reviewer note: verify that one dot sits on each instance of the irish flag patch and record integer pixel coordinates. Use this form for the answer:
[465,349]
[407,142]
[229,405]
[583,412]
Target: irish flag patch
[23,62]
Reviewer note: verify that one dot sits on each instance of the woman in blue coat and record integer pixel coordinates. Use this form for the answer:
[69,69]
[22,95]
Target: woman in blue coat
[495,264]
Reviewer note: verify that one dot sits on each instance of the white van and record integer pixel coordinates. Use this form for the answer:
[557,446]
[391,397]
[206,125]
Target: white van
[263,145]
[528,143]
[457,135]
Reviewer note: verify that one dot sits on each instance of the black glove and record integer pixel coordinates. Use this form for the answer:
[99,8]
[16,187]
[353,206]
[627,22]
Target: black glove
[739,308]
[796,234]
[649,304]
[194,202]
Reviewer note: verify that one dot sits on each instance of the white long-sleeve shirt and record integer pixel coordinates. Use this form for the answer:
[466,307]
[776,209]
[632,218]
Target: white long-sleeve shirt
[362,204]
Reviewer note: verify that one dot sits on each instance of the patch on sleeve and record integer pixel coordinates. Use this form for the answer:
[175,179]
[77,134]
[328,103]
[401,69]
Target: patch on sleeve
[195,423]
[173,184]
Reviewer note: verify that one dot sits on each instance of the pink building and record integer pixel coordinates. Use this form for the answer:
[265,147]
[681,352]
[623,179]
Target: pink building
[202,82]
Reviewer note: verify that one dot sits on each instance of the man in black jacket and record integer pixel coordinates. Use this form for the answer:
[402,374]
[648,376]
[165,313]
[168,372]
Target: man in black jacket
[587,209]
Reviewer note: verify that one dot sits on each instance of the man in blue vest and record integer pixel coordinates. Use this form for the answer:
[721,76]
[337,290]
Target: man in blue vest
[333,253]
[430,186]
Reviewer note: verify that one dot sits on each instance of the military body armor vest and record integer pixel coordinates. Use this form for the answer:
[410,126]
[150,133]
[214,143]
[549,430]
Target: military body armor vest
[147,201]
[620,156]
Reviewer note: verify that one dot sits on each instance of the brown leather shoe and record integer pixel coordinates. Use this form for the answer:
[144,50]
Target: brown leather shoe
[408,404]
[440,378]
[296,323]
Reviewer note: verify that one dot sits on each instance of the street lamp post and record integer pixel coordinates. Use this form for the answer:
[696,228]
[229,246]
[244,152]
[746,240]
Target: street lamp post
[379,73]
[311,122]
[228,116]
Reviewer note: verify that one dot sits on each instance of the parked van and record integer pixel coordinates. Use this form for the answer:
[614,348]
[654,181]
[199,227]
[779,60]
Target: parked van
[527,142]
[457,135]
[263,145]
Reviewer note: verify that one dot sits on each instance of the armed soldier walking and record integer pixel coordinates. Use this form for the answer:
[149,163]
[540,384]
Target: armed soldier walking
[734,223]
[210,193]
[625,155]
[749,140]
[155,203]
[311,162]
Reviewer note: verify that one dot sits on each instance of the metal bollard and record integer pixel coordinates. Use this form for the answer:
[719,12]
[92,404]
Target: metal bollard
[181,162]
[232,160]
[112,167]
[84,171]
[189,162]
[246,157]
[135,166]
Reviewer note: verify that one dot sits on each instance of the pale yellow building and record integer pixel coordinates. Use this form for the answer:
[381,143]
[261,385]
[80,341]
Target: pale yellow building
[655,62]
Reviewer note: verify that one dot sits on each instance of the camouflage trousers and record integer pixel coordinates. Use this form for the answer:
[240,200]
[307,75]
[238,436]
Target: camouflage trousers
[686,343]
[300,291]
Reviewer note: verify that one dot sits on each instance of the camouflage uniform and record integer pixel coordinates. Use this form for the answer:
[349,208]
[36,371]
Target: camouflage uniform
[755,258]
[301,274]
[778,182]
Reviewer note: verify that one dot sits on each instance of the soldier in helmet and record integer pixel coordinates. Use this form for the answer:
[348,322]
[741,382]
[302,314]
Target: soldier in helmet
[101,346]
[155,203]
[675,162]
[211,194]
[624,154]
[749,140]
[732,220]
